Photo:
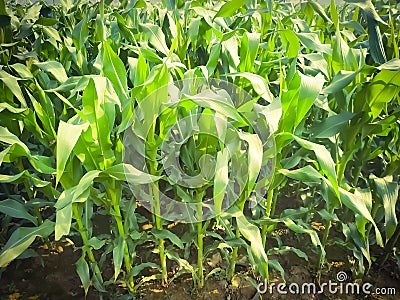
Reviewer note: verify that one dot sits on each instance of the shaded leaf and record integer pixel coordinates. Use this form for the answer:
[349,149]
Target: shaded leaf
[21,239]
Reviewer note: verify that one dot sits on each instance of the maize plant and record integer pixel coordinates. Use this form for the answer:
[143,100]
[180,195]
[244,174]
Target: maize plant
[181,145]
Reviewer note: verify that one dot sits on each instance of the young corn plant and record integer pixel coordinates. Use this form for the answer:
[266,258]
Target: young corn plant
[200,122]
[90,138]
[320,81]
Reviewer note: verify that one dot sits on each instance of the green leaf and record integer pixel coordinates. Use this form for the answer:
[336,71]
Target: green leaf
[63,205]
[99,109]
[166,234]
[42,164]
[298,228]
[305,174]
[271,112]
[82,268]
[340,81]
[393,65]
[138,70]
[382,89]
[221,179]
[310,88]
[183,263]
[298,99]
[46,21]
[85,182]
[289,100]
[259,84]
[3,8]
[277,266]
[248,51]
[113,68]
[12,83]
[44,117]
[15,209]
[96,243]
[220,103]
[17,178]
[251,233]
[80,34]
[155,36]
[138,268]
[129,173]
[118,255]
[388,191]
[332,125]
[54,68]
[22,70]
[291,42]
[320,10]
[11,109]
[324,158]
[67,136]
[230,8]
[87,151]
[21,239]
[375,37]
[357,205]
[156,87]
[51,33]
[286,249]
[213,59]
[63,214]
[7,137]
[4,153]
[255,157]
[343,57]
[193,30]
[311,41]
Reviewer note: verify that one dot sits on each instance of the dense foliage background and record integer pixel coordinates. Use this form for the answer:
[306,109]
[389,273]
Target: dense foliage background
[72,76]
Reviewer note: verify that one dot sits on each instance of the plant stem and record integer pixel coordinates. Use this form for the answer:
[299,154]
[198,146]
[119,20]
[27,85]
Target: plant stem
[200,272]
[161,242]
[86,249]
[114,193]
[156,208]
[234,257]
[200,236]
[274,201]
[328,226]
[268,209]
[31,195]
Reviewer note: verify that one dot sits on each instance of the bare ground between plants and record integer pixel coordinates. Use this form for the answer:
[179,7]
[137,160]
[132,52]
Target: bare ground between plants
[51,275]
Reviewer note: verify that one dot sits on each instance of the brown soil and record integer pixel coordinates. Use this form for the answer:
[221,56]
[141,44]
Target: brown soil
[51,275]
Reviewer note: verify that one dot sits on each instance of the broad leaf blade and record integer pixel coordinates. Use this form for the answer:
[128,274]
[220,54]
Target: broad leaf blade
[67,136]
[21,239]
